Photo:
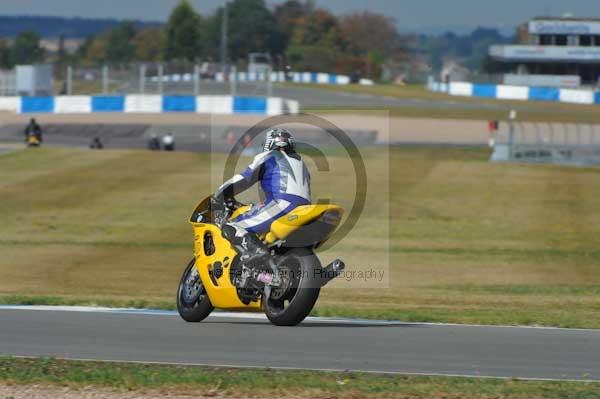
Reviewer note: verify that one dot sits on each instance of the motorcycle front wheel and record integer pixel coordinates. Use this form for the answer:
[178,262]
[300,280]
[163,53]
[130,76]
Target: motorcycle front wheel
[294,300]
[193,303]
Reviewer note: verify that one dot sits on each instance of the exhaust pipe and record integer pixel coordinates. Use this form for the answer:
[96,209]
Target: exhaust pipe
[331,271]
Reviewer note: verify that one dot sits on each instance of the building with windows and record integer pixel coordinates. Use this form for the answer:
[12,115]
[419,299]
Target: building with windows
[553,52]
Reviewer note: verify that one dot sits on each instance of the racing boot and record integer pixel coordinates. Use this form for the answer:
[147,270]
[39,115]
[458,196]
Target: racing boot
[251,248]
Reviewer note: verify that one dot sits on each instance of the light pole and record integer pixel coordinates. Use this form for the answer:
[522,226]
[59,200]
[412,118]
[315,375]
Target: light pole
[224,38]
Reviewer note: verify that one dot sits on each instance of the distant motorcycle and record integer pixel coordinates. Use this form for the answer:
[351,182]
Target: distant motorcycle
[33,134]
[33,140]
[285,286]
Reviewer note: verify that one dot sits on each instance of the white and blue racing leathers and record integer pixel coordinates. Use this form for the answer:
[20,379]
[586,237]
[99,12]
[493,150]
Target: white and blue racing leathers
[285,181]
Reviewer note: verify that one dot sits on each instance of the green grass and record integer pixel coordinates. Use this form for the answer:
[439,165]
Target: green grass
[593,290]
[87,87]
[45,300]
[529,111]
[459,239]
[273,383]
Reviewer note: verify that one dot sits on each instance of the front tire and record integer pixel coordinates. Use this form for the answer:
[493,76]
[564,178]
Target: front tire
[193,303]
[290,306]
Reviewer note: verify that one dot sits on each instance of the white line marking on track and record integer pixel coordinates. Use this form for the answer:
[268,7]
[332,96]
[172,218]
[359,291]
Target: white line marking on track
[260,316]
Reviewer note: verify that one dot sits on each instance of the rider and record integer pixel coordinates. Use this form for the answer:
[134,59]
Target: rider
[285,181]
[33,129]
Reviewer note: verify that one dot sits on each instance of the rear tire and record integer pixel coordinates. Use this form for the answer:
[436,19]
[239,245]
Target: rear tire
[292,307]
[193,303]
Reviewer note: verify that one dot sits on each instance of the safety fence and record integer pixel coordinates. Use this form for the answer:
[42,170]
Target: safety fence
[507,92]
[150,104]
[8,82]
[296,77]
[170,78]
[566,144]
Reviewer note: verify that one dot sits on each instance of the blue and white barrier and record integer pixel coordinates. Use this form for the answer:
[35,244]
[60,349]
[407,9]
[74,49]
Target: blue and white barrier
[507,92]
[275,77]
[141,103]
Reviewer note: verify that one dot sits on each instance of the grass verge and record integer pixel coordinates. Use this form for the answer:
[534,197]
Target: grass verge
[460,240]
[541,113]
[459,107]
[266,382]
[44,300]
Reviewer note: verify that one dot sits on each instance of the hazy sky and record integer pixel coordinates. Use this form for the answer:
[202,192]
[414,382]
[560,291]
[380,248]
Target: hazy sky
[410,14]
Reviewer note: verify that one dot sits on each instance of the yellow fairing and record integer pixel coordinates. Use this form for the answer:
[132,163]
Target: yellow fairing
[223,294]
[241,210]
[302,215]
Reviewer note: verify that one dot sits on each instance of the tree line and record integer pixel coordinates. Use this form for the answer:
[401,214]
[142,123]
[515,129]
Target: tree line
[295,32]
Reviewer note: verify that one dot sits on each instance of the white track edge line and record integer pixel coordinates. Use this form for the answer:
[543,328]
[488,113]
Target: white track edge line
[260,316]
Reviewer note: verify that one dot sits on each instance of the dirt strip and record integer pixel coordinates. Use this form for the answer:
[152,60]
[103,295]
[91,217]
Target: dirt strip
[46,391]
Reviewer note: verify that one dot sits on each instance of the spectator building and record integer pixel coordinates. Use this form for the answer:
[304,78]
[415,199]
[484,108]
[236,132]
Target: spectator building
[551,51]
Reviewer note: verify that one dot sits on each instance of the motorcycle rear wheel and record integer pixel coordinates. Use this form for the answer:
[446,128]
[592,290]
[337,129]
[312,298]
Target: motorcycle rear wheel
[290,307]
[193,303]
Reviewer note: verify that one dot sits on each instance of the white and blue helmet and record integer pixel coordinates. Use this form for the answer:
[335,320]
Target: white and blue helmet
[279,138]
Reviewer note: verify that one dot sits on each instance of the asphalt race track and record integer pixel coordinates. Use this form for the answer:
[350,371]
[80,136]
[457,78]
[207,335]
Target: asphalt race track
[318,343]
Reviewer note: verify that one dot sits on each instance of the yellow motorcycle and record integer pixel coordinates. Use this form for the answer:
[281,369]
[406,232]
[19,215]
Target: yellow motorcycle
[285,286]
[33,140]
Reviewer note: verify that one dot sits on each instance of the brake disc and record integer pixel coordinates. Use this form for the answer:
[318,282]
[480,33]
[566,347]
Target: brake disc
[192,286]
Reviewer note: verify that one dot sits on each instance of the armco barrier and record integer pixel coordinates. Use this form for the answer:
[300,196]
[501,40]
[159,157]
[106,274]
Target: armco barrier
[249,105]
[461,89]
[179,104]
[544,93]
[12,103]
[484,91]
[72,105]
[214,105]
[37,104]
[576,96]
[139,103]
[108,103]
[508,92]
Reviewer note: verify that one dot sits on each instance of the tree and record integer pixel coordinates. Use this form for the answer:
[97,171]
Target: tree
[81,51]
[5,55]
[289,13]
[26,49]
[119,49]
[62,58]
[316,43]
[313,58]
[370,41]
[492,66]
[93,52]
[251,28]
[183,33]
[321,28]
[366,32]
[148,44]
